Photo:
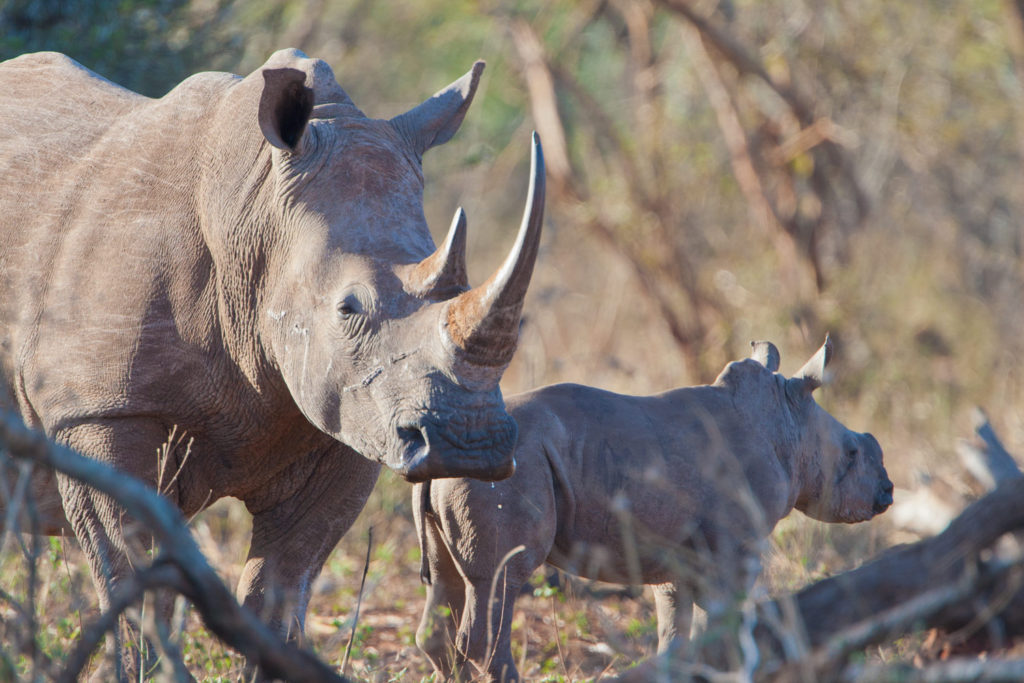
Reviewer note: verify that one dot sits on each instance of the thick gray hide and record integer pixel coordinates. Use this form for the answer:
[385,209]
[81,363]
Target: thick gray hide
[245,259]
[676,491]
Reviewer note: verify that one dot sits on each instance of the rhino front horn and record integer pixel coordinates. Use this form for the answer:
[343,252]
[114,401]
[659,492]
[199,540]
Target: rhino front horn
[484,322]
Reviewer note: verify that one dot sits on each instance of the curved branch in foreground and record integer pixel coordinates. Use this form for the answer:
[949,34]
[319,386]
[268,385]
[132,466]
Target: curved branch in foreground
[229,621]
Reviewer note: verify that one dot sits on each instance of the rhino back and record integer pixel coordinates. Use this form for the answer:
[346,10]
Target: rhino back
[108,301]
[657,468]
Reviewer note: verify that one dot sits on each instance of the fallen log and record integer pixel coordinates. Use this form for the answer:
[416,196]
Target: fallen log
[966,580]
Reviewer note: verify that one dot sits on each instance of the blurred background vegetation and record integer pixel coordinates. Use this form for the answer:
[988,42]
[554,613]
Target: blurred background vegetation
[719,171]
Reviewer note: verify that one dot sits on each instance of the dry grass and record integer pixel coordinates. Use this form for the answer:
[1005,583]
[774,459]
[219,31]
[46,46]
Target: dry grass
[560,634]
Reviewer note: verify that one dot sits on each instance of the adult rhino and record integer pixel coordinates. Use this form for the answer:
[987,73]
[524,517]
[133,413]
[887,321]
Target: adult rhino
[245,259]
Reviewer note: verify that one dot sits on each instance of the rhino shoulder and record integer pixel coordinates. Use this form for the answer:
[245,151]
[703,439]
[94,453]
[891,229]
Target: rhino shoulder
[545,414]
[744,375]
[756,392]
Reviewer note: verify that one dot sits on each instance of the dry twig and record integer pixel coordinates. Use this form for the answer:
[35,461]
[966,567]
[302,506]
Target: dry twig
[191,574]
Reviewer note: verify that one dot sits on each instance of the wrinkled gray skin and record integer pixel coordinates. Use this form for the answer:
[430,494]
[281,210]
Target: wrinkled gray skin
[246,259]
[677,491]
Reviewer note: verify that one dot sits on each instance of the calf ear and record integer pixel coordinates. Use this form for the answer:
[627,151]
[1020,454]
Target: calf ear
[435,121]
[812,374]
[285,106]
[765,353]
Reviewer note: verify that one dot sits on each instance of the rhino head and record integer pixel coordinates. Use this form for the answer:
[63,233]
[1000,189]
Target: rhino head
[377,335]
[841,472]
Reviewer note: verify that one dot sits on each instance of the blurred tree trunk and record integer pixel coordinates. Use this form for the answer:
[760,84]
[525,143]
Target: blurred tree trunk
[658,266]
[1015,41]
[810,204]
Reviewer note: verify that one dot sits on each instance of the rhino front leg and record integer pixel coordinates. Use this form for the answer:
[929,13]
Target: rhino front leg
[296,527]
[446,594]
[674,607]
[113,544]
[490,652]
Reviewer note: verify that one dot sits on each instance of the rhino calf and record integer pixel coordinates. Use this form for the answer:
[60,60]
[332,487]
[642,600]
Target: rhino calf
[677,491]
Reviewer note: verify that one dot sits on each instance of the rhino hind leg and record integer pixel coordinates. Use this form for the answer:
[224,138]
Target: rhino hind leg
[445,601]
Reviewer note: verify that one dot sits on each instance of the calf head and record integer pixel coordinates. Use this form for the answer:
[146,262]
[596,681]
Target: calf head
[377,335]
[840,471]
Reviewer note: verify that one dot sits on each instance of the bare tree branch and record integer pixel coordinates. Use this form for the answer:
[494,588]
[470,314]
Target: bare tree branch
[162,573]
[763,213]
[567,187]
[833,179]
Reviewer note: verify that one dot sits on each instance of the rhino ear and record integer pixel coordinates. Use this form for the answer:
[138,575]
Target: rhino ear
[765,353]
[285,106]
[435,121]
[812,375]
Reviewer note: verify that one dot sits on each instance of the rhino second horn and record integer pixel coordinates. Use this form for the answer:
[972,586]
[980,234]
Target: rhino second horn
[484,322]
[442,275]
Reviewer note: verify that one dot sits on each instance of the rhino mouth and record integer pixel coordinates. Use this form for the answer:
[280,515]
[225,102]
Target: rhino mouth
[428,452]
[883,499]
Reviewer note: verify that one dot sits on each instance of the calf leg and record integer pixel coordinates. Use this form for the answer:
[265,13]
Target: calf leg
[726,641]
[490,650]
[296,526]
[497,536]
[445,592]
[674,607]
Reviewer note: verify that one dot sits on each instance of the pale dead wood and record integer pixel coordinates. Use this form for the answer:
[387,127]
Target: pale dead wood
[958,669]
[943,582]
[180,565]
[990,463]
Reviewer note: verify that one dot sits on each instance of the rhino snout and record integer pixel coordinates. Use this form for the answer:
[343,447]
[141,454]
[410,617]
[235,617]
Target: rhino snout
[883,497]
[433,451]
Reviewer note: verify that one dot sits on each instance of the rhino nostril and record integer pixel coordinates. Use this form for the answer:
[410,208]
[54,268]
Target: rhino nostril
[412,438]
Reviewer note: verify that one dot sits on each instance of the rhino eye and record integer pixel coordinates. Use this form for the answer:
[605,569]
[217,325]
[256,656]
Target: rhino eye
[851,453]
[349,307]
